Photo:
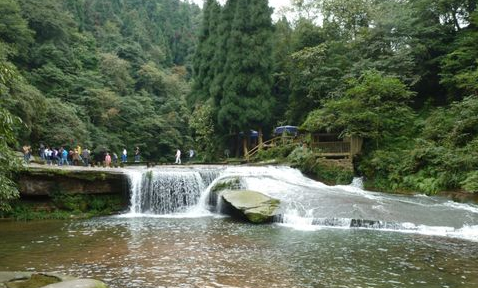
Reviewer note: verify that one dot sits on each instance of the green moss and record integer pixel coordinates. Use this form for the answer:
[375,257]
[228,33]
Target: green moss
[67,206]
[35,281]
[227,184]
[333,174]
[258,218]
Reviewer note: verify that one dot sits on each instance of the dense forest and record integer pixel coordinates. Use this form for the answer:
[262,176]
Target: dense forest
[164,74]
[403,75]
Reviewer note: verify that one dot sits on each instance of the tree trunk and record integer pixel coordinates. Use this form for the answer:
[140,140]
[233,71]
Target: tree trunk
[244,146]
[260,137]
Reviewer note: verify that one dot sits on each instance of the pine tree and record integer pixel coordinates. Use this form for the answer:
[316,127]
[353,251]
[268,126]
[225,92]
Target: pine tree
[203,59]
[220,55]
[247,100]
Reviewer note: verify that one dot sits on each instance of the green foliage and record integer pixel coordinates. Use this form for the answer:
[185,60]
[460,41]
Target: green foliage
[307,161]
[374,107]
[237,74]
[202,125]
[246,101]
[100,73]
[278,153]
[303,158]
[471,182]
[66,206]
[9,162]
[98,204]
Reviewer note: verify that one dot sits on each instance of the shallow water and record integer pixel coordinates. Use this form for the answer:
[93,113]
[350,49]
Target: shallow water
[218,252]
[339,236]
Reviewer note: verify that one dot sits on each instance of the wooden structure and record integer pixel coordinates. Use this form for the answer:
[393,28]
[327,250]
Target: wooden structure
[329,145]
[277,141]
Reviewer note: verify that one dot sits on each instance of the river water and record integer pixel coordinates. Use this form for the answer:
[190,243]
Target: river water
[338,236]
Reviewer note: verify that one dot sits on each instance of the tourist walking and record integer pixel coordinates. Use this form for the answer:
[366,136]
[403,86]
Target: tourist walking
[191,154]
[136,154]
[178,157]
[85,154]
[42,152]
[75,158]
[48,153]
[54,156]
[107,159]
[64,157]
[115,159]
[26,153]
[124,156]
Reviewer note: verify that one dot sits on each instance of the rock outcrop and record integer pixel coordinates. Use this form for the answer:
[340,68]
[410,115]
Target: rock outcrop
[42,180]
[45,280]
[251,206]
[228,183]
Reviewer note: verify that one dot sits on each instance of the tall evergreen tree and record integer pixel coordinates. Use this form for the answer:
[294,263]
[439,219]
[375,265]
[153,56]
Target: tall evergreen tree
[220,54]
[203,59]
[247,100]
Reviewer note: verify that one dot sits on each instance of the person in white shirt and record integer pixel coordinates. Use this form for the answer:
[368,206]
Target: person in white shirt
[124,156]
[48,154]
[178,157]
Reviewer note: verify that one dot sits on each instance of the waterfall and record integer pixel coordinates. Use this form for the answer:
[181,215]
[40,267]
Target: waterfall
[167,191]
[305,204]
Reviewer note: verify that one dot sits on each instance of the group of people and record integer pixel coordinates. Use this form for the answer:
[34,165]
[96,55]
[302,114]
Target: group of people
[83,156]
[77,156]
[178,156]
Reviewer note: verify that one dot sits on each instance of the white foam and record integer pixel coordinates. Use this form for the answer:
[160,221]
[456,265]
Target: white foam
[467,232]
[467,207]
[167,216]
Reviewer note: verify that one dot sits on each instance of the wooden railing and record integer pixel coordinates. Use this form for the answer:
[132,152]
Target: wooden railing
[333,147]
[325,148]
[281,140]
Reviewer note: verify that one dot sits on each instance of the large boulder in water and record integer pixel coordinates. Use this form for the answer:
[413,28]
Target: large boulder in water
[228,183]
[252,206]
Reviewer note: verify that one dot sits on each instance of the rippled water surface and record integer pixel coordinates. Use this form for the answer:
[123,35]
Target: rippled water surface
[217,252]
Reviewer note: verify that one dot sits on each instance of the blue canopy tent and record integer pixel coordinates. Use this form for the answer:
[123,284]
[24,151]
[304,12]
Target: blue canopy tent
[252,134]
[286,129]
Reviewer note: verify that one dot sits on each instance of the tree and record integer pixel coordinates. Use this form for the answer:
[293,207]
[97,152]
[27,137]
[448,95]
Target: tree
[202,124]
[220,56]
[203,58]
[374,107]
[13,28]
[247,98]
[9,162]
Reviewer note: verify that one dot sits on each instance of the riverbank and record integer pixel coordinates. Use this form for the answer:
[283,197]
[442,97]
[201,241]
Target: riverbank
[68,192]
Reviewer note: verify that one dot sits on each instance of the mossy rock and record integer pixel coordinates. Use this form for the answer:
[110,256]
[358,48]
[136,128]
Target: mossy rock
[229,183]
[35,281]
[21,279]
[78,283]
[45,280]
[252,206]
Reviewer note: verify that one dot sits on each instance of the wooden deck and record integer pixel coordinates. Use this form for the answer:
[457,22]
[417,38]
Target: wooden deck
[336,149]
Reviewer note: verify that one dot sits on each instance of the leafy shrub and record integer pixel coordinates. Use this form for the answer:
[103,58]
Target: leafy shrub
[471,182]
[277,152]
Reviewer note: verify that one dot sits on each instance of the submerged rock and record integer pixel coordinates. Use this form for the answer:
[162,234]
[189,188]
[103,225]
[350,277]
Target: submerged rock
[79,283]
[45,280]
[252,206]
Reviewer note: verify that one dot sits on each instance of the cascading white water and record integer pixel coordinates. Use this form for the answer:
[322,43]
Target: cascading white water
[306,204]
[166,191]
